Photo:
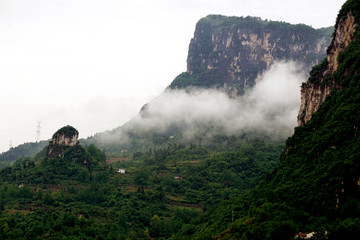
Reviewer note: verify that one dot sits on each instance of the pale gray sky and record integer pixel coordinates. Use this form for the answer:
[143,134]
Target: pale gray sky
[93,64]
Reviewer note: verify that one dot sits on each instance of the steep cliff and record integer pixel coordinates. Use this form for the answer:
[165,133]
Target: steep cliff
[232,52]
[321,81]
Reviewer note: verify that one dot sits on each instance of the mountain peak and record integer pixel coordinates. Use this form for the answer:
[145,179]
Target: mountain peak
[232,52]
[61,140]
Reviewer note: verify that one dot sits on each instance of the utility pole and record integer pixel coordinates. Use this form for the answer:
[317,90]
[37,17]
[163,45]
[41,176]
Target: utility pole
[38,132]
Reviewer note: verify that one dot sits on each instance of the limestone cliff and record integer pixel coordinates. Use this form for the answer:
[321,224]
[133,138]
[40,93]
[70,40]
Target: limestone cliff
[63,139]
[232,52]
[321,81]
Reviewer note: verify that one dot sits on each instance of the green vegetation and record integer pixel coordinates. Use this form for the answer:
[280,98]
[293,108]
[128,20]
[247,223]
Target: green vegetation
[23,150]
[67,131]
[317,71]
[315,187]
[82,195]
[185,80]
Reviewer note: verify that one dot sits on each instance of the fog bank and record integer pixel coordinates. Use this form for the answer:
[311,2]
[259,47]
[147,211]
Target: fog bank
[270,107]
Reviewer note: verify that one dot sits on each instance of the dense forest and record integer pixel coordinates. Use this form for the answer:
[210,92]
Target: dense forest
[148,194]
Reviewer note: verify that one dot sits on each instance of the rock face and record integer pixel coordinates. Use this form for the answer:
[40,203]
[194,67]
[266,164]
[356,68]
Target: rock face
[232,52]
[63,139]
[321,82]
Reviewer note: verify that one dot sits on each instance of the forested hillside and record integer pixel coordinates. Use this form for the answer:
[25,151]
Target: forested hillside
[315,188]
[77,194]
[26,149]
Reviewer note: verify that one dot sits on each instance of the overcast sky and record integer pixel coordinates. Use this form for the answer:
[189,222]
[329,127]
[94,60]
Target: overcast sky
[93,64]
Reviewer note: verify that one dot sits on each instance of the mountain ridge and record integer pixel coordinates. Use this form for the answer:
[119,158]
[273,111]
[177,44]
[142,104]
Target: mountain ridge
[231,52]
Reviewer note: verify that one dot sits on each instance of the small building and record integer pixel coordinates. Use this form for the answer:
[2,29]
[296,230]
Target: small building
[121,171]
[304,235]
[178,178]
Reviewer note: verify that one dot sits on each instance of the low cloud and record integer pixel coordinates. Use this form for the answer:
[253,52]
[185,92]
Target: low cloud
[270,107]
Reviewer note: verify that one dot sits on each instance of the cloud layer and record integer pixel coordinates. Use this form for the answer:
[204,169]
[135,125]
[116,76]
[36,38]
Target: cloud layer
[270,107]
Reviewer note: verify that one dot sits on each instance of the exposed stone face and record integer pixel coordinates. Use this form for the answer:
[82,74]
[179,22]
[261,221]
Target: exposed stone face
[343,36]
[235,51]
[314,94]
[63,139]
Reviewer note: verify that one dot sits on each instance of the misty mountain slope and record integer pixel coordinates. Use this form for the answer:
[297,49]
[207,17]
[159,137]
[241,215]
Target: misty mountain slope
[204,116]
[240,74]
[231,52]
[316,187]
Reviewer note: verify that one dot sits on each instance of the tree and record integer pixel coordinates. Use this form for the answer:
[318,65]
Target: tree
[155,226]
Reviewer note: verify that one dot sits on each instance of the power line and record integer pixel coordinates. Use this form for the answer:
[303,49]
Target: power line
[38,132]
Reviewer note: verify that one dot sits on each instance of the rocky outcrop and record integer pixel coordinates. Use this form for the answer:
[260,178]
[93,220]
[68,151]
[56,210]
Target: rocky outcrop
[321,82]
[312,95]
[344,34]
[231,52]
[63,139]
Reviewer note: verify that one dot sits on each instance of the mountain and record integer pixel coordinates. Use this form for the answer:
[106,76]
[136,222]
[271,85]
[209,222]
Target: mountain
[234,189]
[315,189]
[231,52]
[227,53]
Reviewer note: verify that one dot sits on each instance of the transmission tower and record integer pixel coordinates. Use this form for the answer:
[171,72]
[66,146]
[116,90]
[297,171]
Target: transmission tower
[38,132]
[10,145]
